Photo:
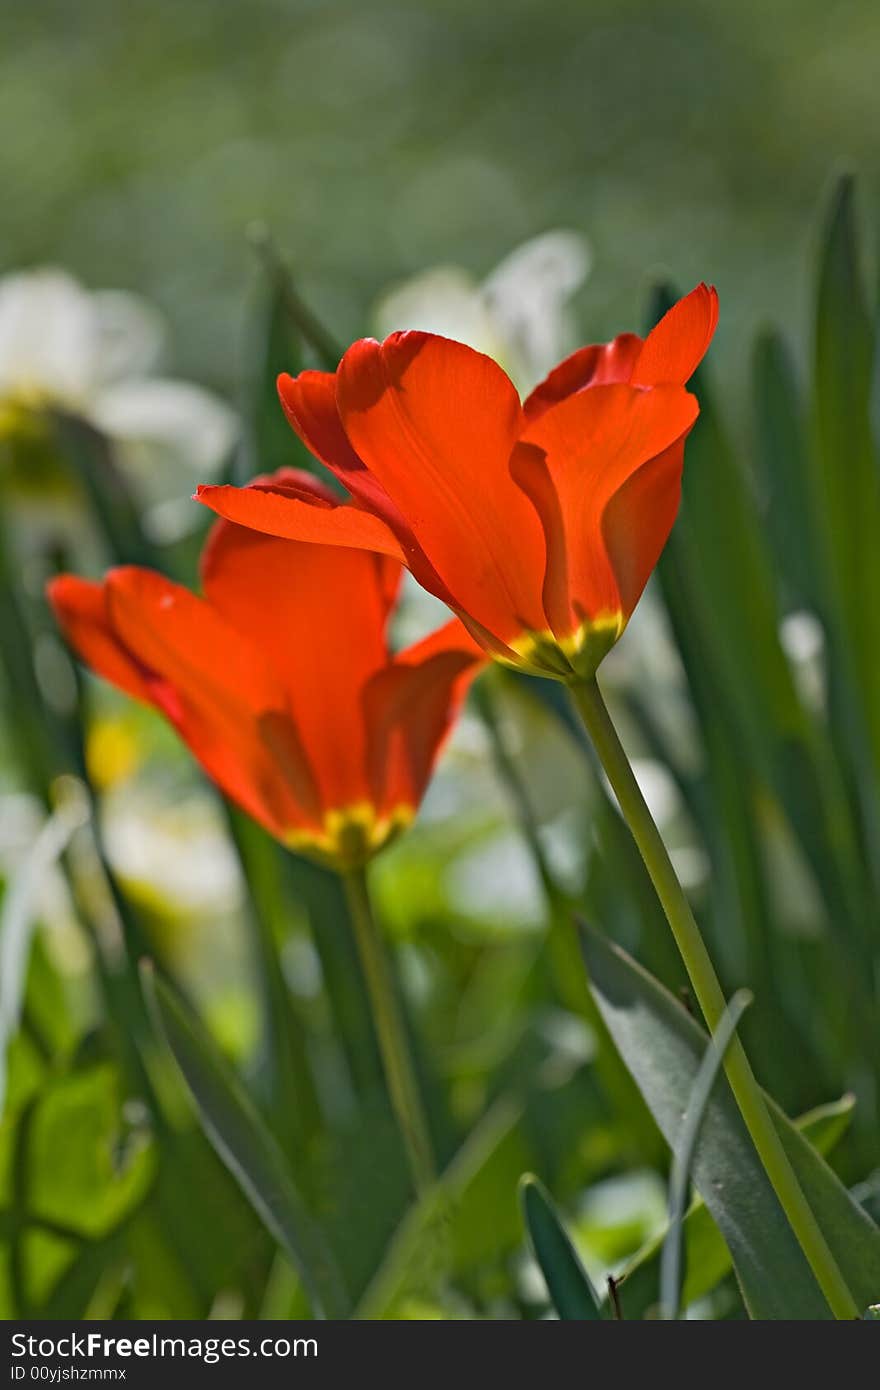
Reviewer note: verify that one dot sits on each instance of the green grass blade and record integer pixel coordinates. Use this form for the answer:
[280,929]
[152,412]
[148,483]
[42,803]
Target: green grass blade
[670,1263]
[707,1258]
[240,1137]
[663,1047]
[571,1292]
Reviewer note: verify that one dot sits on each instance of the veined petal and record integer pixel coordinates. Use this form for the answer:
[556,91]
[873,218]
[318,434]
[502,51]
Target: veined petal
[601,364]
[677,345]
[572,461]
[435,422]
[409,709]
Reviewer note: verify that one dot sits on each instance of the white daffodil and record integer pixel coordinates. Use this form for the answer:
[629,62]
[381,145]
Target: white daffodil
[94,353]
[520,314]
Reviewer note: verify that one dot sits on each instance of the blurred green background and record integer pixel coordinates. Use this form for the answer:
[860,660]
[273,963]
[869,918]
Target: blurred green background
[378,139]
[375,142]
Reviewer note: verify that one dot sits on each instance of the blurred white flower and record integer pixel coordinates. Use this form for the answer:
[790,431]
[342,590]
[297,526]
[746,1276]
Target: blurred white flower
[520,315]
[92,353]
[180,854]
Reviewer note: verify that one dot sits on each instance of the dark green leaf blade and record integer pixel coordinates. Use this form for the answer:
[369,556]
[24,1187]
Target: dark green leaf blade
[685,1147]
[663,1046]
[250,1152]
[707,1258]
[573,1296]
[847,487]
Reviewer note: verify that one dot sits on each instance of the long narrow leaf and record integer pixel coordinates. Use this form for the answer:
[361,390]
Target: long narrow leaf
[707,1258]
[568,1283]
[663,1047]
[240,1137]
[670,1264]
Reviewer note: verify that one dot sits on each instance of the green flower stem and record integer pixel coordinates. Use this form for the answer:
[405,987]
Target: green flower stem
[393,1044]
[591,707]
[566,964]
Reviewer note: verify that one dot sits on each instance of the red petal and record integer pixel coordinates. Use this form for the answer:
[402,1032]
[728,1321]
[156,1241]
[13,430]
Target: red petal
[301,513]
[600,365]
[676,347]
[215,688]
[435,422]
[638,519]
[318,615]
[309,402]
[410,708]
[81,610]
[572,461]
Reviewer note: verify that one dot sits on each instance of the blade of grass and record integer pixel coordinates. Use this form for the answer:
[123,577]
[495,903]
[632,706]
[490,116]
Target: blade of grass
[248,1149]
[685,1147]
[568,1283]
[707,1257]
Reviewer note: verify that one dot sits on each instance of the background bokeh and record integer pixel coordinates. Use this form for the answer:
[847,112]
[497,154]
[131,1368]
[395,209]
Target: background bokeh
[377,139]
[150,149]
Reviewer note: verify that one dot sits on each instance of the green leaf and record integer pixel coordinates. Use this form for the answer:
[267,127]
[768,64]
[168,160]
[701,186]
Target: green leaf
[571,1292]
[783,461]
[86,1167]
[252,1155]
[707,1258]
[285,336]
[479,1175]
[283,1070]
[92,459]
[825,1125]
[685,1147]
[847,487]
[663,1047]
[720,589]
[275,345]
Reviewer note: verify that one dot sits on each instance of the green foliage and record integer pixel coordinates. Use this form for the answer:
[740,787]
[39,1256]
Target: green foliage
[573,1296]
[706,1257]
[249,1150]
[663,1047]
[113,1202]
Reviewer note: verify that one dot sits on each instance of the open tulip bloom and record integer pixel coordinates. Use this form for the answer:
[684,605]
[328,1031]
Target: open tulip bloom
[280,679]
[539,523]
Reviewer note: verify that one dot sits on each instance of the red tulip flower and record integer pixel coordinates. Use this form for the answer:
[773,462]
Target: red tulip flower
[280,680]
[538,523]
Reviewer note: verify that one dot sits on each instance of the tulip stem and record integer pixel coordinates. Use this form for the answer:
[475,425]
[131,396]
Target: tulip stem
[749,1097]
[400,1072]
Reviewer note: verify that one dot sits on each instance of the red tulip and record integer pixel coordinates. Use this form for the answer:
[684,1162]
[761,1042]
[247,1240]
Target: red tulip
[539,524]
[280,679]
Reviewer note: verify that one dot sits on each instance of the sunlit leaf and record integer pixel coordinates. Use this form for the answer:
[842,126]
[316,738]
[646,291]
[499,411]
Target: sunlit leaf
[663,1047]
[706,1257]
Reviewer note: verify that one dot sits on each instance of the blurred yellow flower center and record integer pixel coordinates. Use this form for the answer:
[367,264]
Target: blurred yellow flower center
[351,835]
